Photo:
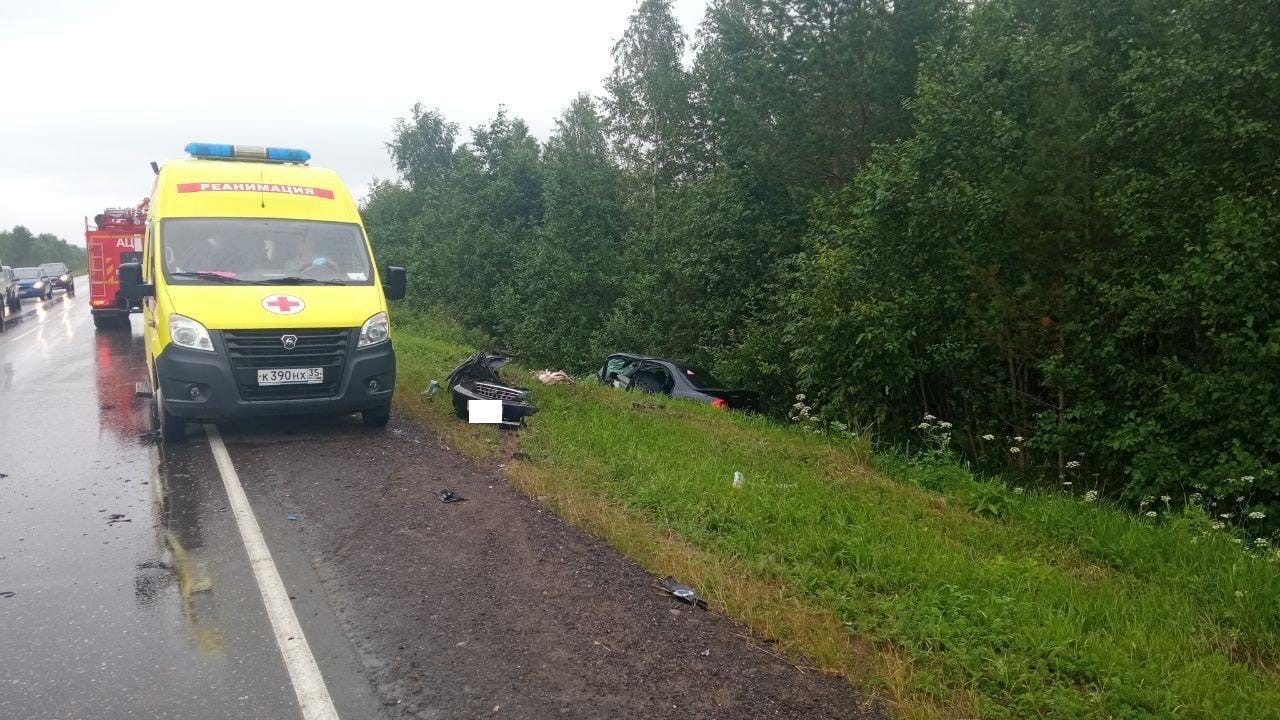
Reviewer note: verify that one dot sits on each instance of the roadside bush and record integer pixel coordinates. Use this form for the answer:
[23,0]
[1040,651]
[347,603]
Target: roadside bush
[1051,222]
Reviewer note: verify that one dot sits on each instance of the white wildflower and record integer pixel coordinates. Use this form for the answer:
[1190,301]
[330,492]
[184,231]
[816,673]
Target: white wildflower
[1217,525]
[1151,513]
[1165,499]
[800,397]
[1017,438]
[923,426]
[1255,515]
[1225,516]
[1240,498]
[1195,497]
[1017,491]
[1015,450]
[1091,496]
[1073,464]
[988,436]
[930,418]
[1237,541]
[1261,543]
[944,425]
[1239,593]
[1248,478]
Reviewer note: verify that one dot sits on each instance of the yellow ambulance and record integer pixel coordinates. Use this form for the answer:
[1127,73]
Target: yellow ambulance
[259,292]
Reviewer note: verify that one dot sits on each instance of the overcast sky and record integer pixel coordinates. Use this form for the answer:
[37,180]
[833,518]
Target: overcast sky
[93,89]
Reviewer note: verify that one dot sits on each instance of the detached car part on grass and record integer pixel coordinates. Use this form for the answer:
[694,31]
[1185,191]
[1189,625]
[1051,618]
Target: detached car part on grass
[477,378]
[673,379]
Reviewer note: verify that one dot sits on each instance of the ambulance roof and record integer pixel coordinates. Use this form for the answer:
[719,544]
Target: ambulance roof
[237,188]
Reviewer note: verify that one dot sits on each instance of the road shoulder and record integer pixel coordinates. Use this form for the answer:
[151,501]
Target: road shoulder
[458,609]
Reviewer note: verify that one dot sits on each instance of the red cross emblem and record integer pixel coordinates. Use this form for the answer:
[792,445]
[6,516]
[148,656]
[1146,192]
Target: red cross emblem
[282,304]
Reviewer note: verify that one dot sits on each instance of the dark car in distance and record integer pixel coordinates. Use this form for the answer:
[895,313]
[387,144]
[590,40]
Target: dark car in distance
[59,276]
[672,378]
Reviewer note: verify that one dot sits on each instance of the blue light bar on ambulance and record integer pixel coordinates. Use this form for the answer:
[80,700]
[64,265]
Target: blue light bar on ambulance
[248,152]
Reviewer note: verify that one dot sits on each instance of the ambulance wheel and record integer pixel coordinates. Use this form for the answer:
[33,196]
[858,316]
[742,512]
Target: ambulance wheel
[377,417]
[172,429]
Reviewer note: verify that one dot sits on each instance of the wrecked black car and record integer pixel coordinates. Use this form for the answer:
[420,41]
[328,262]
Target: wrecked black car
[672,378]
[477,379]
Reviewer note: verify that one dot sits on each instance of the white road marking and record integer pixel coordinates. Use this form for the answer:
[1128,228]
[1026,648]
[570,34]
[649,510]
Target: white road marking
[308,685]
[40,325]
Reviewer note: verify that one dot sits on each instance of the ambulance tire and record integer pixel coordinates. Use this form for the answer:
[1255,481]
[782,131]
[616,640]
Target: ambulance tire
[172,429]
[377,417]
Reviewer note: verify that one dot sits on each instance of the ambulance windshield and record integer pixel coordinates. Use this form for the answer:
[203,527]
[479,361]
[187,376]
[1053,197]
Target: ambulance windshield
[263,252]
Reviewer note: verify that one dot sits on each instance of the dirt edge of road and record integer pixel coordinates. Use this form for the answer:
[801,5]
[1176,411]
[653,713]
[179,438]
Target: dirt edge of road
[495,606]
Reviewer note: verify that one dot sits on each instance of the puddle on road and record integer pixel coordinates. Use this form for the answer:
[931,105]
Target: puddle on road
[30,314]
[118,556]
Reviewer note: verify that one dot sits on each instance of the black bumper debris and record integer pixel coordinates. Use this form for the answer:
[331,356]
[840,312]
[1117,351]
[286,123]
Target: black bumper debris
[476,378]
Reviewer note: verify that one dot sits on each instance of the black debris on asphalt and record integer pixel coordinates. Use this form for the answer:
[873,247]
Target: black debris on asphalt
[450,496]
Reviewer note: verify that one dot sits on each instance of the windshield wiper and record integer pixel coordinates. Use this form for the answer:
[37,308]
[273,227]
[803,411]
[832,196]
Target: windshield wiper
[295,280]
[213,276]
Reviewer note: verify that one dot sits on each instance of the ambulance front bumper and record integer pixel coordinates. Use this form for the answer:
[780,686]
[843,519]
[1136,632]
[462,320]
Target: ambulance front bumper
[201,385]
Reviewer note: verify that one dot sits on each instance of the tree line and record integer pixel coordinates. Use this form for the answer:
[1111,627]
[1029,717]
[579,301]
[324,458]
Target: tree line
[1051,220]
[20,247]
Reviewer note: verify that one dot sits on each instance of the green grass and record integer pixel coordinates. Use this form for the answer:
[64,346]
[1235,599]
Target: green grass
[951,595]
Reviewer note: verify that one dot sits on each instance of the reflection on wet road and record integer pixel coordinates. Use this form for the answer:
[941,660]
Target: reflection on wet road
[124,589]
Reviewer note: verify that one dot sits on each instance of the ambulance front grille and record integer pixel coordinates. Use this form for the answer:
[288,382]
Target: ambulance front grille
[253,350]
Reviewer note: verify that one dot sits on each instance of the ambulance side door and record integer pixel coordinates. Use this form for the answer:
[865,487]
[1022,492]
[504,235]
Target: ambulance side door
[149,276]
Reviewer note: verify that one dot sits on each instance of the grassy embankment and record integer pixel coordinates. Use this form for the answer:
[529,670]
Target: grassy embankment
[958,601]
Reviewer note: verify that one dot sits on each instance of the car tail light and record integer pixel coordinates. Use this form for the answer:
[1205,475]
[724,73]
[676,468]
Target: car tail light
[720,403]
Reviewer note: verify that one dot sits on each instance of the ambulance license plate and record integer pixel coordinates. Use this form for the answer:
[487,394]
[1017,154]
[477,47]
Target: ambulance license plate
[290,376]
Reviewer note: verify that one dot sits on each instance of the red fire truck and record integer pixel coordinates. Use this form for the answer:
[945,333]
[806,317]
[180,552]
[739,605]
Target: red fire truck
[115,237]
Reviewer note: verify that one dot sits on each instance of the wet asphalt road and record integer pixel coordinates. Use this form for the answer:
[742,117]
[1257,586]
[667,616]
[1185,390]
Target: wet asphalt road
[125,589]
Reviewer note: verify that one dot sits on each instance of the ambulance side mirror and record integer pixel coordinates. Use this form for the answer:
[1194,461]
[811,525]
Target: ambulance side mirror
[131,285]
[394,283]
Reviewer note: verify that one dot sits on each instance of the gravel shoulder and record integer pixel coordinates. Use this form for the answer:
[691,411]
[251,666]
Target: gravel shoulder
[493,606]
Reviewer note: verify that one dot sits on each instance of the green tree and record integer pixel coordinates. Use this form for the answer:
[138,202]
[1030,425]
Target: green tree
[648,102]
[567,271]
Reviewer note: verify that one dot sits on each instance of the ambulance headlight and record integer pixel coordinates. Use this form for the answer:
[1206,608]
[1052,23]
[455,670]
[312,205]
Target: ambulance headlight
[375,330]
[188,333]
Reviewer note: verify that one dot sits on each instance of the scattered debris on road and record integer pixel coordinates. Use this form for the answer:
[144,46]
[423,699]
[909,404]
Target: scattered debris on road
[477,378]
[450,496]
[7,593]
[433,387]
[292,516]
[114,518]
[683,592]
